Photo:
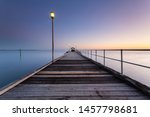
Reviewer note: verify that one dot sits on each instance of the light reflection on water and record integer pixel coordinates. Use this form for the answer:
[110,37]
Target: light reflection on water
[16,64]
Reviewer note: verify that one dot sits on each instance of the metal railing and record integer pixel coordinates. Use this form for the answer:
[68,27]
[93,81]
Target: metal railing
[94,52]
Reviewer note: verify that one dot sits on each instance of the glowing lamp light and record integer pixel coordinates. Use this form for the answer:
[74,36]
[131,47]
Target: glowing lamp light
[52,14]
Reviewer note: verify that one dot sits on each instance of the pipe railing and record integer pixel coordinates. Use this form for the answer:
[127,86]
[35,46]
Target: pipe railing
[91,52]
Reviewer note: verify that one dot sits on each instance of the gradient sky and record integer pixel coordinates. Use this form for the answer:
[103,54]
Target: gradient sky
[97,24]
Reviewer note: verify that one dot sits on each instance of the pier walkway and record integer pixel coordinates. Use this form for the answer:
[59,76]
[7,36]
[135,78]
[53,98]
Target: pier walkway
[73,77]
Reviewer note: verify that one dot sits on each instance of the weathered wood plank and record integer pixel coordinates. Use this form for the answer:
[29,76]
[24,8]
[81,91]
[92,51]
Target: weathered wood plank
[68,82]
[78,65]
[76,86]
[69,89]
[75,93]
[73,67]
[75,98]
[72,72]
[72,80]
[73,62]
[66,68]
[79,76]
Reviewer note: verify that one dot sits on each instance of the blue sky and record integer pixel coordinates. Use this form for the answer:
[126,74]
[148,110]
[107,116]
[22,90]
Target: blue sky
[81,23]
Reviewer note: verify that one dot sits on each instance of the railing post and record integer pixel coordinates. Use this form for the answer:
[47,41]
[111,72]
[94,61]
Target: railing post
[20,54]
[91,54]
[87,53]
[95,55]
[104,56]
[121,61]
[52,39]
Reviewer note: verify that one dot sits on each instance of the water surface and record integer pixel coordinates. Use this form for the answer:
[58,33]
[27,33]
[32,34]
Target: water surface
[17,64]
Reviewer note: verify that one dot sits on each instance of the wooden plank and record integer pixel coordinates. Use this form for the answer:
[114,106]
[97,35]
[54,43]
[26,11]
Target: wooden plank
[70,68]
[55,76]
[75,79]
[72,80]
[68,82]
[73,58]
[78,65]
[99,98]
[75,98]
[73,62]
[71,72]
[37,88]
[75,86]
[75,93]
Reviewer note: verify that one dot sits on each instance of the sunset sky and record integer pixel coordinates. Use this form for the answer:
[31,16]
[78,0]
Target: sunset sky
[97,24]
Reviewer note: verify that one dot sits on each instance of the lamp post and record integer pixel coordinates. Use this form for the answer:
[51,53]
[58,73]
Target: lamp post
[52,15]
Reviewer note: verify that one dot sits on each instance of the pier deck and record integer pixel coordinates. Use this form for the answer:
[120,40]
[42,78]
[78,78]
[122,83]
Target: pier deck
[73,77]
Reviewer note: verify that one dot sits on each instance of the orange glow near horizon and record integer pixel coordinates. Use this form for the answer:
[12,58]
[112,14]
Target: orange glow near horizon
[116,42]
[134,39]
[116,46]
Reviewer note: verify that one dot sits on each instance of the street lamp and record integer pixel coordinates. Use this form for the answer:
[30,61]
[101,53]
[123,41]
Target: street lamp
[52,15]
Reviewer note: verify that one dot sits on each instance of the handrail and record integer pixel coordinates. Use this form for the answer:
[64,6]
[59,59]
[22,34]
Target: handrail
[125,62]
[118,49]
[89,53]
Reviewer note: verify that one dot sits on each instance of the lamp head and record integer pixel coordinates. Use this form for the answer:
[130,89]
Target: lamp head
[52,15]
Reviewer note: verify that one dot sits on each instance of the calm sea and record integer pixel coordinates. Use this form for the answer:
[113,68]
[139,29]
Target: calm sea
[17,64]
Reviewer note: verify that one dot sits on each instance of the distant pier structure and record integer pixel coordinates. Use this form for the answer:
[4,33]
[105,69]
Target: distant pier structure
[73,49]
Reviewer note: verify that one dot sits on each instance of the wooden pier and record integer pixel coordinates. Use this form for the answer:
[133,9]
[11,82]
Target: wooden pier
[73,77]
